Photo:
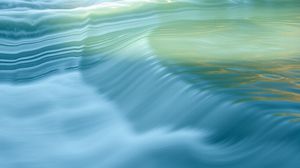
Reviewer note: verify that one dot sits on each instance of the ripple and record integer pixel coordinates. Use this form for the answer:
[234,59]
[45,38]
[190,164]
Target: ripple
[148,83]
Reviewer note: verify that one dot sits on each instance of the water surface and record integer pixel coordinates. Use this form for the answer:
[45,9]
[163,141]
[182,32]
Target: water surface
[150,84]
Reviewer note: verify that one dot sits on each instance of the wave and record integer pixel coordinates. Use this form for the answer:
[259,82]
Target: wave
[149,84]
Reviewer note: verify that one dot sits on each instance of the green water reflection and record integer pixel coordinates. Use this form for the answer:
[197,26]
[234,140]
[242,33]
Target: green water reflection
[252,52]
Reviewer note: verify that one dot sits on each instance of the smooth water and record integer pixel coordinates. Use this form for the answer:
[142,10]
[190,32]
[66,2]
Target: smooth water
[149,84]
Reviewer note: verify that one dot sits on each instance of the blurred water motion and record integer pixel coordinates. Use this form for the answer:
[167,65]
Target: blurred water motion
[149,84]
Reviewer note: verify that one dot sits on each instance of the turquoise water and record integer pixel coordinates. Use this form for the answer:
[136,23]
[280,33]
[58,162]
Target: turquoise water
[149,84]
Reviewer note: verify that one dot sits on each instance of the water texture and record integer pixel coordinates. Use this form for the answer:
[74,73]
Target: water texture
[149,83]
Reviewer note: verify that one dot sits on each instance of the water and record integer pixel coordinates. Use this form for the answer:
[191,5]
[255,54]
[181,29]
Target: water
[136,83]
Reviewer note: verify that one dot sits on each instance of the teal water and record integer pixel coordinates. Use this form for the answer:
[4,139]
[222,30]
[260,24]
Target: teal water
[149,83]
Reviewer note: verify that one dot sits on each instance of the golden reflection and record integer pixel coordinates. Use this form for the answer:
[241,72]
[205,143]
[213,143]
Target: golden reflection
[257,59]
[263,81]
[293,117]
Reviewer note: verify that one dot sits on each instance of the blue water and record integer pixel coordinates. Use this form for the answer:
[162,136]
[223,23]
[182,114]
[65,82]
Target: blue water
[149,84]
